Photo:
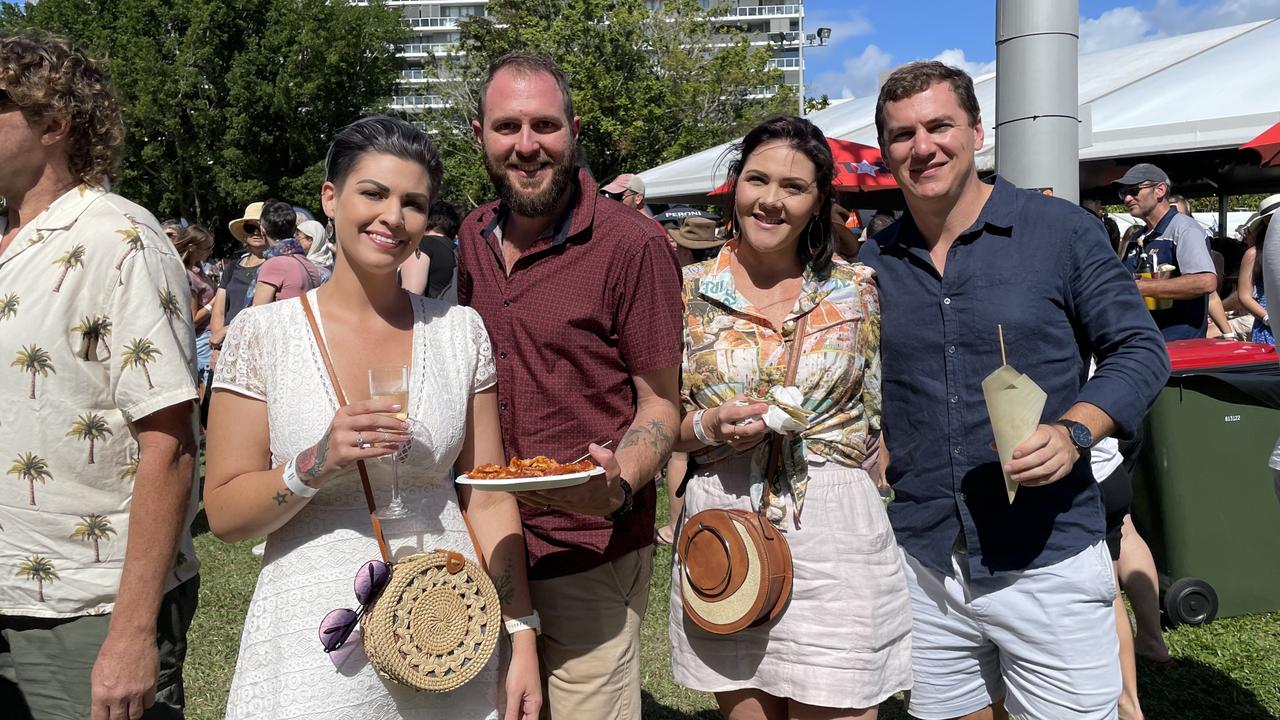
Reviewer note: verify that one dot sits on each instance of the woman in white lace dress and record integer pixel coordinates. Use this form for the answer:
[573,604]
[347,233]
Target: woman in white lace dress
[274,406]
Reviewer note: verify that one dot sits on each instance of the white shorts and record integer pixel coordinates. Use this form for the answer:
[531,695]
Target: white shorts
[1044,640]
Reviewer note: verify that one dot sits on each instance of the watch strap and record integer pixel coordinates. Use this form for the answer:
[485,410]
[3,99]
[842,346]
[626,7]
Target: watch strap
[628,497]
[520,624]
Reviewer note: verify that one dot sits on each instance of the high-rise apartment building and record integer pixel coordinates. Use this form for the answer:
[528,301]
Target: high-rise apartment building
[434,24]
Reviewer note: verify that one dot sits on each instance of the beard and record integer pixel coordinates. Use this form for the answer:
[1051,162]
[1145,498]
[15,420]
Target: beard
[532,204]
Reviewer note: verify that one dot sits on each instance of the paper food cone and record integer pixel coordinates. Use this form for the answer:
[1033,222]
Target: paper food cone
[1014,403]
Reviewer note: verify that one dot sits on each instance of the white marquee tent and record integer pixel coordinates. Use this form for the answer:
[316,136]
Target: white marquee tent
[1209,90]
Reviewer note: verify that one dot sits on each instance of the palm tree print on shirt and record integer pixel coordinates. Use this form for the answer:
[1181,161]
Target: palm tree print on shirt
[35,360]
[138,353]
[93,330]
[70,260]
[169,304]
[31,468]
[130,469]
[40,569]
[94,528]
[132,244]
[92,427]
[9,305]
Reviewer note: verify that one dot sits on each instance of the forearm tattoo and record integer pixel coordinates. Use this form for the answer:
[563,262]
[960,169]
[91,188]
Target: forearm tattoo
[504,586]
[311,461]
[283,497]
[654,434]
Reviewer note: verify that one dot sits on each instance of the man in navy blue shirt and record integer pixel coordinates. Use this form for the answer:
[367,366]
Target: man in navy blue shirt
[1011,601]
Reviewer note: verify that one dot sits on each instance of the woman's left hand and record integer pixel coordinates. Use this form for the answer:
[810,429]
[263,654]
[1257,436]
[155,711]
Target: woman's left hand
[524,685]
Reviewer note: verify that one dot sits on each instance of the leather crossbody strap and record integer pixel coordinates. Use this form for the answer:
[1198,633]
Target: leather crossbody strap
[364,471]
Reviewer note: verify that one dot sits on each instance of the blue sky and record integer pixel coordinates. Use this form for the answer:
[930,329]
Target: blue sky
[872,36]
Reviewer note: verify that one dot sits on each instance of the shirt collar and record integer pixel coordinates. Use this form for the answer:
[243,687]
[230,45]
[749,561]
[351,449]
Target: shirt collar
[61,214]
[1163,225]
[577,217]
[999,210]
[718,285]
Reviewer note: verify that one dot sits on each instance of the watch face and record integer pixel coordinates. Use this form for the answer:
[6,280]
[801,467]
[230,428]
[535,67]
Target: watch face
[1080,435]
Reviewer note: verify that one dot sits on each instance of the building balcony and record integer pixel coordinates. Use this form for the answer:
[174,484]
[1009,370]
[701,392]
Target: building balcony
[418,50]
[433,23]
[783,64]
[763,11]
[417,102]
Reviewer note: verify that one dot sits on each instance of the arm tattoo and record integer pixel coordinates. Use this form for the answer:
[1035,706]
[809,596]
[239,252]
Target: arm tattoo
[281,498]
[311,461]
[654,434]
[504,586]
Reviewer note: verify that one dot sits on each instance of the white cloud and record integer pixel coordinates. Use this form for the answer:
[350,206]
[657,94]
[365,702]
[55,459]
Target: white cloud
[857,76]
[1127,24]
[956,59]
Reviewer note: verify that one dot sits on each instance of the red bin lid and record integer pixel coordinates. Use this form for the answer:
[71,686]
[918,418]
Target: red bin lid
[1216,353]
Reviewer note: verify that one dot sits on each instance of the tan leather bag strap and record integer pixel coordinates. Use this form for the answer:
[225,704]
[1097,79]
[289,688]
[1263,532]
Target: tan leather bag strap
[364,471]
[776,442]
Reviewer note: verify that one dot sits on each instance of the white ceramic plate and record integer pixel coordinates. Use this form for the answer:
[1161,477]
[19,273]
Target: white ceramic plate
[546,482]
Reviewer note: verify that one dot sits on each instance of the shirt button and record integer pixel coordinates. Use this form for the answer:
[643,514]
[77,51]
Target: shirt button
[957,450]
[951,349]
[506,303]
[954,399]
[963,498]
[946,301]
[502,406]
[502,355]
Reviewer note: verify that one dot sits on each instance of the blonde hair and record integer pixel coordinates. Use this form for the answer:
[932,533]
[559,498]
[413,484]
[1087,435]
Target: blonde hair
[47,76]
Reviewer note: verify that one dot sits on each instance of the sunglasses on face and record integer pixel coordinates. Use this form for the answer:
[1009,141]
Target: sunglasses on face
[337,626]
[1133,190]
[251,229]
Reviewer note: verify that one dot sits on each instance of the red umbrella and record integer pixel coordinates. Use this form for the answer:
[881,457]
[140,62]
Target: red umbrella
[858,167]
[1267,144]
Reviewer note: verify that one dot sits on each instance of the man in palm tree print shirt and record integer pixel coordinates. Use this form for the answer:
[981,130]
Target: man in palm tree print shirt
[98,577]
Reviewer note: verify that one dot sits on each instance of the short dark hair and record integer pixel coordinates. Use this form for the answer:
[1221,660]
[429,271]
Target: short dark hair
[914,78]
[444,219]
[527,64]
[386,135]
[278,220]
[807,139]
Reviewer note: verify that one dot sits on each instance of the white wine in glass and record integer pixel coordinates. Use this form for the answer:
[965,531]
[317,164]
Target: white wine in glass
[391,384]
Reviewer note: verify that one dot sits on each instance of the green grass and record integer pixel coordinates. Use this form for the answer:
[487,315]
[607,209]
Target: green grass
[1228,670]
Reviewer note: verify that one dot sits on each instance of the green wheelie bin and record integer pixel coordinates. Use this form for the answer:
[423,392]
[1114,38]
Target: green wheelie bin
[1203,495]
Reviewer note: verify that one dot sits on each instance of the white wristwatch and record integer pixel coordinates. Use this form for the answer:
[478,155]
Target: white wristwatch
[530,622]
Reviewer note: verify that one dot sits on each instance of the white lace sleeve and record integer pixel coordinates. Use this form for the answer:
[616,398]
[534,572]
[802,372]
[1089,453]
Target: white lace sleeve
[241,363]
[486,374]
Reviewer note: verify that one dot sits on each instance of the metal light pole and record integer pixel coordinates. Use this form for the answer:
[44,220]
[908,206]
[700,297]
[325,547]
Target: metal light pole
[800,45]
[1037,94]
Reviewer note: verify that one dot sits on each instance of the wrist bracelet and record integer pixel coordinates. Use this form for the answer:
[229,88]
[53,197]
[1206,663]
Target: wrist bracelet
[700,432]
[529,622]
[294,483]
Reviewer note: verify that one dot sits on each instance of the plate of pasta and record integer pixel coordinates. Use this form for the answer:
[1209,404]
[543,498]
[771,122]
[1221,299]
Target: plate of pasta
[537,473]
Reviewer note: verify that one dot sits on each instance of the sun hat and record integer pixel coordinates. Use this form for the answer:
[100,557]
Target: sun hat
[1266,208]
[624,182]
[252,213]
[696,233]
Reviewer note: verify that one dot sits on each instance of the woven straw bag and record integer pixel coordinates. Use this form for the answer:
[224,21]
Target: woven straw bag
[437,622]
[736,569]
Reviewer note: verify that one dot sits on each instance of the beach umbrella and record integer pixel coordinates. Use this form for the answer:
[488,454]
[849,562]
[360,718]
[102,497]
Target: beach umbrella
[858,167]
[1267,145]
[677,214]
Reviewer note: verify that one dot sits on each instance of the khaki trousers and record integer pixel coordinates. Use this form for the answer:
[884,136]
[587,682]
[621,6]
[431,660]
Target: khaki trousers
[589,650]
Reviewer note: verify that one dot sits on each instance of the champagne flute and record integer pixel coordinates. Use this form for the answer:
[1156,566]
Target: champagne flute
[391,384]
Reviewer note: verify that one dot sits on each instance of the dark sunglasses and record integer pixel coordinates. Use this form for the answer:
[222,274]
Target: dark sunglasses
[1133,190]
[251,229]
[337,626]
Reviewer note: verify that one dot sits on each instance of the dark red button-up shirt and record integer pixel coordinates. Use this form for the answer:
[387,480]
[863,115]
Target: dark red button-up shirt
[583,310]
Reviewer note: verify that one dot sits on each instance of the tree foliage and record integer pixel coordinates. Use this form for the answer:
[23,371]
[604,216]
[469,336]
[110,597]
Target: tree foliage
[650,86]
[227,102]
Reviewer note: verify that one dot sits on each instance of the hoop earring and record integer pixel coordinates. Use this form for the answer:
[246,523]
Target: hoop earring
[810,243]
[328,232]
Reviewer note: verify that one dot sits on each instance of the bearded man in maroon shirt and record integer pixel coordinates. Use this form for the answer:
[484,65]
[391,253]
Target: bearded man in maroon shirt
[581,297]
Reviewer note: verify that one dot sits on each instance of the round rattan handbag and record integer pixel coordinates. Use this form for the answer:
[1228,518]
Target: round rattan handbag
[438,620]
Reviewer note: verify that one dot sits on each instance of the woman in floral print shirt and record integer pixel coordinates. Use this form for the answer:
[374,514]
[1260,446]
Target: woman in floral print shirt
[842,645]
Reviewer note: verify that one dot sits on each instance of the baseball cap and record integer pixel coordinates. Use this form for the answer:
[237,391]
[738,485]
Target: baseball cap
[624,182]
[1143,172]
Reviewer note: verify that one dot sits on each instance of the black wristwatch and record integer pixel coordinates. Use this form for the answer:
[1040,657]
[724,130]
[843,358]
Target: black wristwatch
[1079,434]
[625,507]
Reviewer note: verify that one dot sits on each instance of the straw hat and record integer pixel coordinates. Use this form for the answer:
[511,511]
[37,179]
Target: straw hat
[252,213]
[696,233]
[1266,208]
